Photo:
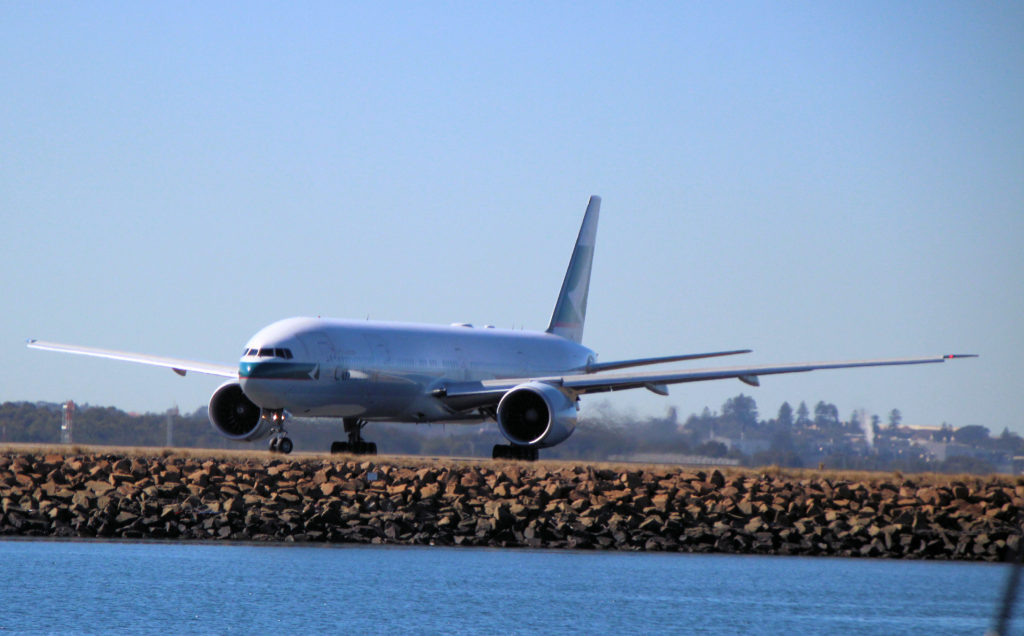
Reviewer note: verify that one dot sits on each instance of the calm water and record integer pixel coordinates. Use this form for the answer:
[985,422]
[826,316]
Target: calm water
[92,588]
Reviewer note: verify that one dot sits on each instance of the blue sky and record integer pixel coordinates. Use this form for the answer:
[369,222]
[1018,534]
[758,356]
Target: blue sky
[812,181]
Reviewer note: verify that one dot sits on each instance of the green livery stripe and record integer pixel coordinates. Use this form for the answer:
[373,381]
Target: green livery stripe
[279,370]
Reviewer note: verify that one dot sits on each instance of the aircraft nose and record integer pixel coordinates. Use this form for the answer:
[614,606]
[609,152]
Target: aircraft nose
[271,383]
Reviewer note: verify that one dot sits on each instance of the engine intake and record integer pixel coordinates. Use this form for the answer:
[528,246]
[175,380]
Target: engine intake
[536,414]
[236,416]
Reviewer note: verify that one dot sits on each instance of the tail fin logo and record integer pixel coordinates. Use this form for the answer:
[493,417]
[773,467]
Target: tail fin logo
[571,307]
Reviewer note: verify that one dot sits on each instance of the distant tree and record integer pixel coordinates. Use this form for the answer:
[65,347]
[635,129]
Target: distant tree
[944,434]
[27,422]
[825,415]
[895,418]
[859,423]
[699,427]
[1010,442]
[742,409]
[971,435]
[666,427]
[803,418]
[782,441]
[785,417]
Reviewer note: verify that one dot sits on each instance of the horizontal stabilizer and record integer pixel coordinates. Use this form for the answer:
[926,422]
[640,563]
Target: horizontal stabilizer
[178,365]
[597,367]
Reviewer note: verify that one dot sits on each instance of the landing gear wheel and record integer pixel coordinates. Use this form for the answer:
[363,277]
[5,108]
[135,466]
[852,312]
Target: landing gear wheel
[355,444]
[508,451]
[279,442]
[339,447]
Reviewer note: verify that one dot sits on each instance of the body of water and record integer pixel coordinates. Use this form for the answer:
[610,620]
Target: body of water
[157,588]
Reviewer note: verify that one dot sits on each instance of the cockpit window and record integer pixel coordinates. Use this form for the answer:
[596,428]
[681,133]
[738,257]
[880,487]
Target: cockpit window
[270,352]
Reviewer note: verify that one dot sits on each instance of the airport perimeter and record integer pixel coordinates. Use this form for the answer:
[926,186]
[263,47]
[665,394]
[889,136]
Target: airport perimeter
[140,494]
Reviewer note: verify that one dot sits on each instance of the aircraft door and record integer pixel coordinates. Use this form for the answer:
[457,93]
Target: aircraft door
[318,344]
[380,353]
[522,364]
[463,363]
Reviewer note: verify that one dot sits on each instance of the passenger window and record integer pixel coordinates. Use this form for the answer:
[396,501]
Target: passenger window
[287,354]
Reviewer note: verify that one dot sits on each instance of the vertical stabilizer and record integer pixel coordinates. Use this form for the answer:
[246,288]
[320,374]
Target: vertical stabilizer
[571,307]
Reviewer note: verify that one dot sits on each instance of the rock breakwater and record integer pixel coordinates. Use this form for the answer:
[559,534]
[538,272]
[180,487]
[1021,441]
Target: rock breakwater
[544,505]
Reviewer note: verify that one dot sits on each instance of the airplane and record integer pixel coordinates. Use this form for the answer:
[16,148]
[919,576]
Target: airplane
[528,382]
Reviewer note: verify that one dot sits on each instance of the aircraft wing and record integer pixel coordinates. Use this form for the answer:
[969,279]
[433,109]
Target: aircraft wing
[178,365]
[464,395]
[598,367]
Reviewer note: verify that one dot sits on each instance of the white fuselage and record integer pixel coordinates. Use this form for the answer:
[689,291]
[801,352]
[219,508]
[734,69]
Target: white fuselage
[387,371]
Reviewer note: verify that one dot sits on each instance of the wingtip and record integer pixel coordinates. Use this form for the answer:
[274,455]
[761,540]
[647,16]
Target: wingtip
[954,356]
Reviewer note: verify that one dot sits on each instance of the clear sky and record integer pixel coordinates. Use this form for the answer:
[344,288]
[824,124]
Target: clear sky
[814,181]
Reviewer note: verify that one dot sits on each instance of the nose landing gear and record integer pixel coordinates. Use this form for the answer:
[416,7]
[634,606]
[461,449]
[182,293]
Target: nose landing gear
[355,444]
[281,445]
[279,441]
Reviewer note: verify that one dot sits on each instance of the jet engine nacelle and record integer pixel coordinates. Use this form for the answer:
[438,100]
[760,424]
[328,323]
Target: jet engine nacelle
[236,416]
[536,414]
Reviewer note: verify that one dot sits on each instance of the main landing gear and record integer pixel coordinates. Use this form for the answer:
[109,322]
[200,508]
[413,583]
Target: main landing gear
[355,444]
[279,442]
[508,451]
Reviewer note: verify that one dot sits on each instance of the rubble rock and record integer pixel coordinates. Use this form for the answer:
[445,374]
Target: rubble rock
[582,507]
